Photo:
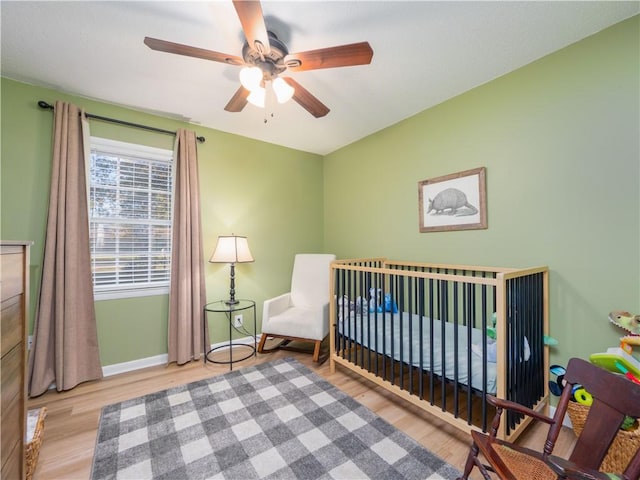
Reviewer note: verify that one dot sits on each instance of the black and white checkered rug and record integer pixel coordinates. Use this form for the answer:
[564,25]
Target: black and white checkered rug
[276,420]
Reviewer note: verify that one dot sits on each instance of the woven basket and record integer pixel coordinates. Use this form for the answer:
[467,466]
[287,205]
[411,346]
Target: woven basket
[35,429]
[624,446]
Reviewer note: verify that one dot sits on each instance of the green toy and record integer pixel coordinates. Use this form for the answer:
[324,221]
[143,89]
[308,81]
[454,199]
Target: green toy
[609,358]
[628,322]
[491,332]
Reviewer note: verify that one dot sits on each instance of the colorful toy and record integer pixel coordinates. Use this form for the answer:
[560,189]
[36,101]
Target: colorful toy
[620,359]
[379,304]
[492,345]
[376,303]
[556,386]
[389,304]
[583,397]
[491,330]
[627,373]
[491,333]
[615,355]
[628,322]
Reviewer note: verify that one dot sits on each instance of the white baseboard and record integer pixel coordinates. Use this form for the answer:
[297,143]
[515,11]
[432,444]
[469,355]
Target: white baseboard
[124,367]
[161,359]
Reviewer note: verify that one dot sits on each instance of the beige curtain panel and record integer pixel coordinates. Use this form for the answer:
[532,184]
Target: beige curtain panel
[187,292]
[65,341]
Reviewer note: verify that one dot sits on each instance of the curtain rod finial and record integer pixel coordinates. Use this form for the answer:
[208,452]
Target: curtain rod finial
[43,104]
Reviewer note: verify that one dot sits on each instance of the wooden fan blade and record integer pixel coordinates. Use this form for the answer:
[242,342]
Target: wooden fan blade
[253,26]
[342,56]
[189,51]
[238,101]
[310,103]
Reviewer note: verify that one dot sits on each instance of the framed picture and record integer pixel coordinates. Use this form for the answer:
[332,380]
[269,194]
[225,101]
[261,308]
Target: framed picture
[453,202]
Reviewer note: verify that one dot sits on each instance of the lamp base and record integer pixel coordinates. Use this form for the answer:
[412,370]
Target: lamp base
[232,287]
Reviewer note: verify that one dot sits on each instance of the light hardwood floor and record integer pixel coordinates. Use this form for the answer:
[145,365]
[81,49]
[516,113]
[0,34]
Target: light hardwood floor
[72,417]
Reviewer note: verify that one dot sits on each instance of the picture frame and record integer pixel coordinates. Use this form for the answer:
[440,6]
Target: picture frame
[453,202]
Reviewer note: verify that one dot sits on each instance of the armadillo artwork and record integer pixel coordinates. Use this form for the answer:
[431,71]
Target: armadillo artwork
[450,201]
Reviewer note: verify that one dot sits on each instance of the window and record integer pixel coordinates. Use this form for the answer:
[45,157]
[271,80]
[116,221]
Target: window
[130,212]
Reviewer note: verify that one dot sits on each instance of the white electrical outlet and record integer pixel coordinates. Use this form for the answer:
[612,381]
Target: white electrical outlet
[237,320]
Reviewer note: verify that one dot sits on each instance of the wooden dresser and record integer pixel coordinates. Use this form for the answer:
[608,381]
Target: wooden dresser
[14,290]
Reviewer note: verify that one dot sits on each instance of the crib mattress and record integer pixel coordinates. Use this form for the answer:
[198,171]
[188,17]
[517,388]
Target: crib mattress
[398,335]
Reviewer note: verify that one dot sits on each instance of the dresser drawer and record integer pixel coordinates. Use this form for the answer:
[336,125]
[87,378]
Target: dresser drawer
[11,324]
[11,430]
[11,372]
[12,274]
[13,465]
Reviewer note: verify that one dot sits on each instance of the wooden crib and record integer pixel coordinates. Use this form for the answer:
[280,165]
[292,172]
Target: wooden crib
[444,336]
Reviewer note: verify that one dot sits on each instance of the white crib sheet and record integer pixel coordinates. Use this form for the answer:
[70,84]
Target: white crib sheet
[401,324]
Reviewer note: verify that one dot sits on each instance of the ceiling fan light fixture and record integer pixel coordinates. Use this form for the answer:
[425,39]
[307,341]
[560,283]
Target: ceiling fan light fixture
[265,58]
[250,77]
[257,96]
[283,90]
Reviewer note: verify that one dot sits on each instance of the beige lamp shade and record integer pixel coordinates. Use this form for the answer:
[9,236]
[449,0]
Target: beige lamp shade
[231,249]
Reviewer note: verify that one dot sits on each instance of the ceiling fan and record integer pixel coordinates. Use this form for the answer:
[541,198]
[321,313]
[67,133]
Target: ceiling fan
[265,58]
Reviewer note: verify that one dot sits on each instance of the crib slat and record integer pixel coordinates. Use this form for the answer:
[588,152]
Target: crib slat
[456,348]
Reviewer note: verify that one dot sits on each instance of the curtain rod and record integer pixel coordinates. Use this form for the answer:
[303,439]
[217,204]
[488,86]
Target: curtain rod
[44,105]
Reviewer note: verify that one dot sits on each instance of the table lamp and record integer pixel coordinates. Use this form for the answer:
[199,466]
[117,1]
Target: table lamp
[231,249]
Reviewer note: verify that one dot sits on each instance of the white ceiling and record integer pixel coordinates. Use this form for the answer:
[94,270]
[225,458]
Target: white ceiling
[424,53]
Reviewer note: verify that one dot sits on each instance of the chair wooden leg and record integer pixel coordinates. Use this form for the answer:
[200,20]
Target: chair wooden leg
[263,339]
[316,351]
[471,462]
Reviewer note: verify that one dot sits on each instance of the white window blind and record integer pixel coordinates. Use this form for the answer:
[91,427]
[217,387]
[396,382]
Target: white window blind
[130,212]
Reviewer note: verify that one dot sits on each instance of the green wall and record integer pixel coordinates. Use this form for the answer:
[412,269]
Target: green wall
[269,193]
[560,141]
[559,138]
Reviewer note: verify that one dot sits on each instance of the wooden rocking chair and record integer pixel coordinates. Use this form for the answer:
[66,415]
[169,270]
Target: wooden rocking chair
[614,398]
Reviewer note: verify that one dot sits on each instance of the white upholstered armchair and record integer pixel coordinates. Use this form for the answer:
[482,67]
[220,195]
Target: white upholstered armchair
[303,313]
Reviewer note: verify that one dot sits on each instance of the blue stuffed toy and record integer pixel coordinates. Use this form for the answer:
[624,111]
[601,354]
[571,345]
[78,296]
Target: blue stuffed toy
[377,304]
[389,304]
